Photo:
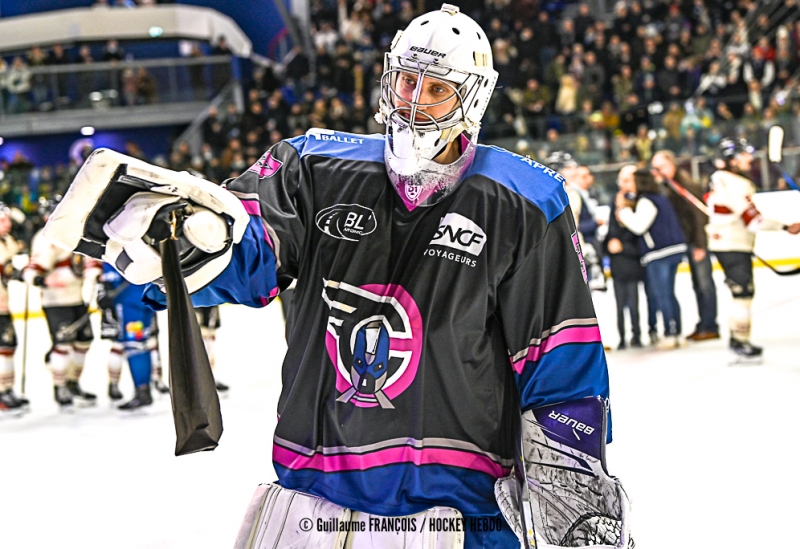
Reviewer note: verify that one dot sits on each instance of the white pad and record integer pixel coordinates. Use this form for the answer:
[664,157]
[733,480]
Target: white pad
[131,222]
[206,230]
[278,518]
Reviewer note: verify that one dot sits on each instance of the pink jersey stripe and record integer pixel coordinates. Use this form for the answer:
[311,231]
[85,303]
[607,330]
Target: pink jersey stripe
[578,334]
[253,207]
[388,456]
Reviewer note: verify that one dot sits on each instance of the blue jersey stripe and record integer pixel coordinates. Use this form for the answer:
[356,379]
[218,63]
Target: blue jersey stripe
[347,146]
[388,490]
[526,177]
[249,278]
[569,372]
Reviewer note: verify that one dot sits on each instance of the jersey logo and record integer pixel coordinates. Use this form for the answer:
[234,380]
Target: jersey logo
[374,340]
[456,231]
[347,221]
[576,243]
[266,166]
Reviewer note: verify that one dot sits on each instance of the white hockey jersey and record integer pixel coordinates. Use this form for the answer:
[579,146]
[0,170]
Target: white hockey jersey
[8,249]
[733,218]
[60,268]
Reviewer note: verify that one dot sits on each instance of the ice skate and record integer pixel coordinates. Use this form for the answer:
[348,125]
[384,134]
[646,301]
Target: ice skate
[63,398]
[23,402]
[10,406]
[160,386]
[113,391]
[140,401]
[81,397]
[222,389]
[746,354]
[670,342]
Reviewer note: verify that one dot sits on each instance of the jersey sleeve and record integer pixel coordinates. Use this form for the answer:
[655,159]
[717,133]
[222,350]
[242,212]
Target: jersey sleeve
[271,192]
[549,322]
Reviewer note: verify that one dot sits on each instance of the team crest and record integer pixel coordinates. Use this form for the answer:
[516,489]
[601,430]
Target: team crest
[413,191]
[374,339]
[266,166]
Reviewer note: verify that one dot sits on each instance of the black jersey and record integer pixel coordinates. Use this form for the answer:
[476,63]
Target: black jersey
[418,336]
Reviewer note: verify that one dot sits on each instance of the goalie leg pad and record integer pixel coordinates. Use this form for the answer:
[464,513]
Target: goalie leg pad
[278,518]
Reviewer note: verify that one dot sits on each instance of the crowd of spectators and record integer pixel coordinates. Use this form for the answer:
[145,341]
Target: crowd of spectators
[657,74]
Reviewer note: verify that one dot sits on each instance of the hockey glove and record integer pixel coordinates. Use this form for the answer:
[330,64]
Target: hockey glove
[573,500]
[119,208]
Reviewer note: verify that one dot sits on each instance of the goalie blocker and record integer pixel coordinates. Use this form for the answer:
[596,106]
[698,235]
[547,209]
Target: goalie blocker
[119,208]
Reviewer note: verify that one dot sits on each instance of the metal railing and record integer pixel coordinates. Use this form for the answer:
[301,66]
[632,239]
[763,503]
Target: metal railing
[114,84]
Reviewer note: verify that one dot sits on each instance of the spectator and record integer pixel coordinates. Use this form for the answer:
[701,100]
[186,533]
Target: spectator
[567,98]
[693,222]
[58,57]
[622,248]
[146,88]
[18,84]
[643,145]
[661,242]
[4,93]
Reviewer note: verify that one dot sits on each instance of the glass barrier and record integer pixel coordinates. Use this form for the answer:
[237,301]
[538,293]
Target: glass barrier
[113,84]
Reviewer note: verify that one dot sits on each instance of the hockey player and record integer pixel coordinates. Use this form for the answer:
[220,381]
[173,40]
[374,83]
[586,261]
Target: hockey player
[443,327]
[134,320]
[208,319]
[155,359]
[59,274]
[9,247]
[583,208]
[732,226]
[107,288]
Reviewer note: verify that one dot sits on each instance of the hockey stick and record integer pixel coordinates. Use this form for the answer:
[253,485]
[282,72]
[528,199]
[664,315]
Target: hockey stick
[697,203]
[195,402]
[775,154]
[24,343]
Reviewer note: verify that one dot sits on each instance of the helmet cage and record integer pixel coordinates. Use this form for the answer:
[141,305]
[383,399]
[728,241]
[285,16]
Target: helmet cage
[404,112]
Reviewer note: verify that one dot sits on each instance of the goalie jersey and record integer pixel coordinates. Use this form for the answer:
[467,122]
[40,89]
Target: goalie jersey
[417,336]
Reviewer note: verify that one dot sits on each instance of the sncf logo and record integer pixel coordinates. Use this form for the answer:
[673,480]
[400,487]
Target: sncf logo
[456,231]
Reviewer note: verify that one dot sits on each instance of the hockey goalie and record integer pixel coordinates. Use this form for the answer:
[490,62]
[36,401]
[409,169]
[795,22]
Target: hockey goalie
[444,364]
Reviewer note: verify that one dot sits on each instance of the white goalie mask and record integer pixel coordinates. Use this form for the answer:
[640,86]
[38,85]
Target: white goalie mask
[436,84]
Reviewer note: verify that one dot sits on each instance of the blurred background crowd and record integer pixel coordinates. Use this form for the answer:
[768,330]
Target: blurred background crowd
[609,82]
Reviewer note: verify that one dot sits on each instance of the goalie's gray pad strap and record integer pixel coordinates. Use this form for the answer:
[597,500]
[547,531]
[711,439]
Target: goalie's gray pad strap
[278,518]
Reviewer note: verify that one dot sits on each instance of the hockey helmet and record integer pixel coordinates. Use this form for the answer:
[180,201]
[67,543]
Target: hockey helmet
[436,85]
[729,147]
[560,160]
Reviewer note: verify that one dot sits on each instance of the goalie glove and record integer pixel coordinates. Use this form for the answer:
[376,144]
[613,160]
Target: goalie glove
[119,208]
[573,500]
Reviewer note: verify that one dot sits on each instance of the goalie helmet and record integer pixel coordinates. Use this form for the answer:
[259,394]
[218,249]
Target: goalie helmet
[436,85]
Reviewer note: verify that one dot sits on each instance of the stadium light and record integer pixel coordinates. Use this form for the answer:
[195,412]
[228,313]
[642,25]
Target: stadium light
[87,130]
[155,32]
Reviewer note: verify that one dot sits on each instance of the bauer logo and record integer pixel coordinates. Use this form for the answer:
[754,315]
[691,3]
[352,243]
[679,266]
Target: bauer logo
[347,221]
[456,231]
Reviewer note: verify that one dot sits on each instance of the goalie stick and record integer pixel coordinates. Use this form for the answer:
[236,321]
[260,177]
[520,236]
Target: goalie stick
[684,193]
[775,154]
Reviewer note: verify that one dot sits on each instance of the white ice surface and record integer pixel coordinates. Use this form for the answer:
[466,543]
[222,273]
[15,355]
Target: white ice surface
[707,451]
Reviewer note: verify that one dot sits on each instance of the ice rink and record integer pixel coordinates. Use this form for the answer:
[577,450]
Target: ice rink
[704,448]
